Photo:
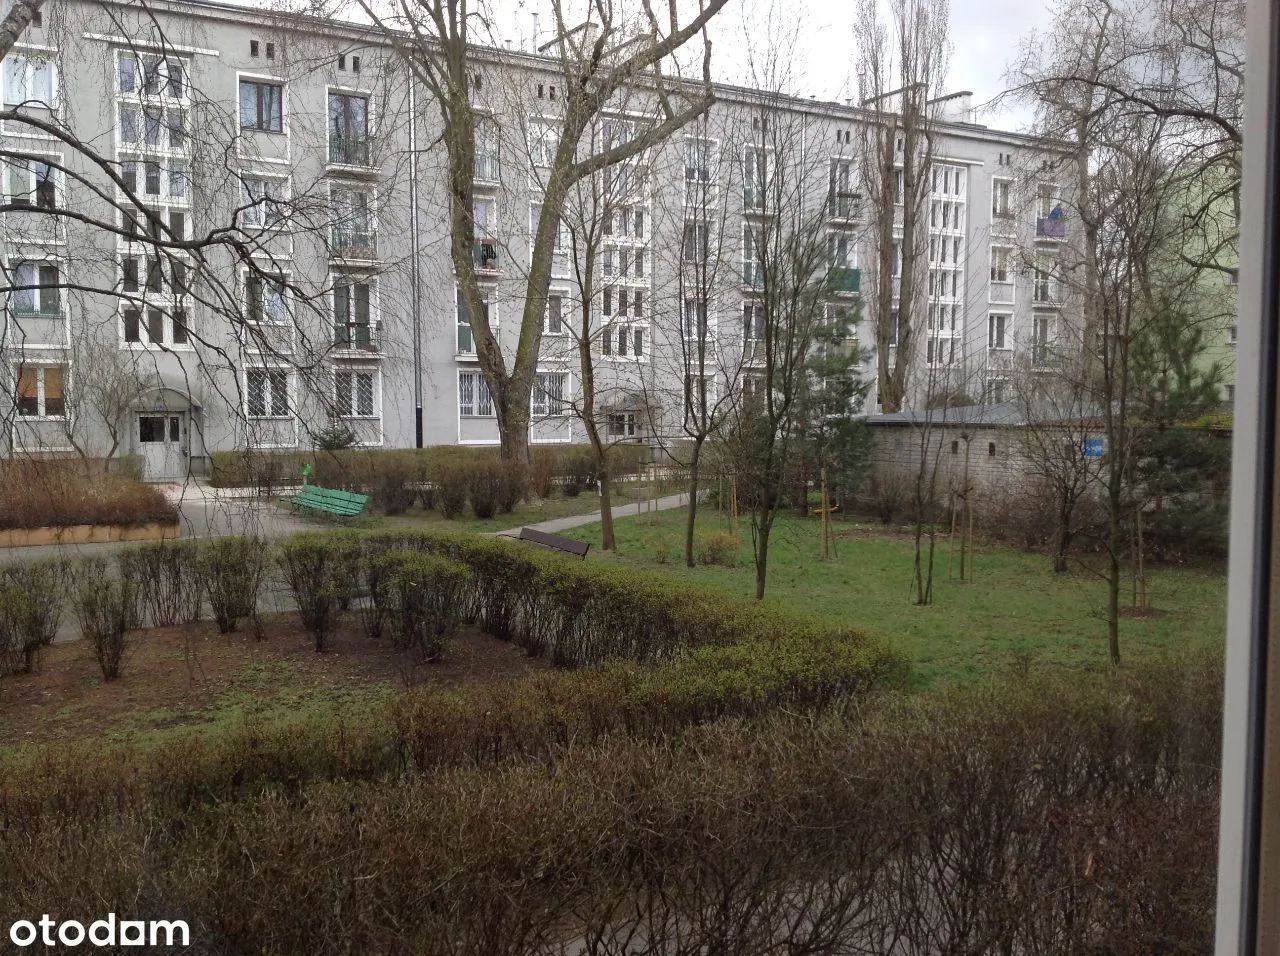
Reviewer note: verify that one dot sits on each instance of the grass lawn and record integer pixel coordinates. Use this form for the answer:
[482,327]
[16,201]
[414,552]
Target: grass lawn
[1015,614]
[192,679]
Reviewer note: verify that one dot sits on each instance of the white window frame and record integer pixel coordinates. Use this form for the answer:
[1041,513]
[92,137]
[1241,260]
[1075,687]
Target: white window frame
[562,297]
[544,141]
[38,292]
[166,311]
[352,410]
[1001,199]
[544,403]
[270,374]
[1001,323]
[30,94]
[25,168]
[472,385]
[41,396]
[261,202]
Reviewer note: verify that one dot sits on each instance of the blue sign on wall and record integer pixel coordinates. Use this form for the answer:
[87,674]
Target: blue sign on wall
[1093,447]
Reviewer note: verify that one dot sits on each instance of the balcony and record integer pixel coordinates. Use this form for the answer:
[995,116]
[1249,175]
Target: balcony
[349,242]
[1051,226]
[357,336]
[752,275]
[347,150]
[755,199]
[486,257]
[842,280]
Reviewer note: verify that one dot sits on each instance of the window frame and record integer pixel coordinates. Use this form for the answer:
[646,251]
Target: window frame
[263,119]
[270,374]
[42,408]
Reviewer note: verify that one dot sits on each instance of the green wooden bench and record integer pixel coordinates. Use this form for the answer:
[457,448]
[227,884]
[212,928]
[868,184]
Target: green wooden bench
[346,504]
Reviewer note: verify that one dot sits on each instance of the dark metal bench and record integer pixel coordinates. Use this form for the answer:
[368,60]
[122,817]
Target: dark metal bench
[554,542]
[345,504]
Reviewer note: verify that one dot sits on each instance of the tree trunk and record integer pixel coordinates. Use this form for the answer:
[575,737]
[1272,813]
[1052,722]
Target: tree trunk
[1114,582]
[1064,539]
[691,516]
[762,560]
[607,542]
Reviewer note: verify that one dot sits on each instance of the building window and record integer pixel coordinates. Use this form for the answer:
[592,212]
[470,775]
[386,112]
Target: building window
[35,289]
[267,393]
[755,178]
[621,425]
[752,252]
[1000,208]
[474,400]
[31,183]
[353,392]
[28,81]
[261,200]
[696,244]
[697,160]
[351,315]
[151,76]
[1041,339]
[1000,264]
[348,129]
[695,318]
[548,393]
[753,321]
[157,324]
[544,141]
[487,163]
[466,338]
[1231,335]
[553,321]
[997,327]
[265,300]
[41,391]
[261,106]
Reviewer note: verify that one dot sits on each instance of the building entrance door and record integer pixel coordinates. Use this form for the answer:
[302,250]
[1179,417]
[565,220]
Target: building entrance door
[160,441]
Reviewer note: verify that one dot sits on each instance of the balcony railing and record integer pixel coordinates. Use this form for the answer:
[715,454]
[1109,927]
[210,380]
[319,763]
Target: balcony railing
[843,280]
[1051,227]
[357,336]
[348,150]
[36,311]
[487,168]
[354,243]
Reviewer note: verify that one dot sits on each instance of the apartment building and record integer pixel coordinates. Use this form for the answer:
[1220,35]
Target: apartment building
[327,301]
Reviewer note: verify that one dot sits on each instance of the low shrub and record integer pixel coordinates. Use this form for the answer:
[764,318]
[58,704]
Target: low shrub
[167,576]
[719,548]
[376,568]
[232,570]
[256,469]
[107,608]
[450,481]
[542,471]
[317,568]
[31,603]
[579,471]
[489,486]
[427,603]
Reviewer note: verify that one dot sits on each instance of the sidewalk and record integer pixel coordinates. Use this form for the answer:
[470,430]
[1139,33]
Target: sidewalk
[556,525]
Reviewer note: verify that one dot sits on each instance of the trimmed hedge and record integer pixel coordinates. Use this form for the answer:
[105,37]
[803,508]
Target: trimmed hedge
[64,492]
[719,656]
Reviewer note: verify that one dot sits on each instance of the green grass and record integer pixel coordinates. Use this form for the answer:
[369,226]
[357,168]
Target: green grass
[1015,614]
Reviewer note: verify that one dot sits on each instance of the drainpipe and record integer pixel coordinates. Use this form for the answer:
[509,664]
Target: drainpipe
[416,292]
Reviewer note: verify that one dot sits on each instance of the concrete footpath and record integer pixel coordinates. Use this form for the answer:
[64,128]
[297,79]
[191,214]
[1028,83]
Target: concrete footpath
[556,525]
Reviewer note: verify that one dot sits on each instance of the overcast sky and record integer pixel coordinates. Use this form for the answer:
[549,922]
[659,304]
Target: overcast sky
[984,33]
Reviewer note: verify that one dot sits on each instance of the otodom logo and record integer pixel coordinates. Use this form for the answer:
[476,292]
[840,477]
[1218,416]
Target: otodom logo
[47,931]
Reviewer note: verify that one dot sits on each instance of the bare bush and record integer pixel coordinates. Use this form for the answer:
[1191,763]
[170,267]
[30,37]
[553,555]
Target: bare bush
[107,608]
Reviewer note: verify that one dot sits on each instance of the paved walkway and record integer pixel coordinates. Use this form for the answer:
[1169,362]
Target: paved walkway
[556,525]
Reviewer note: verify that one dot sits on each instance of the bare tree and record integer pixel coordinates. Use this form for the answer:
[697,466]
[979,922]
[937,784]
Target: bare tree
[901,69]
[595,61]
